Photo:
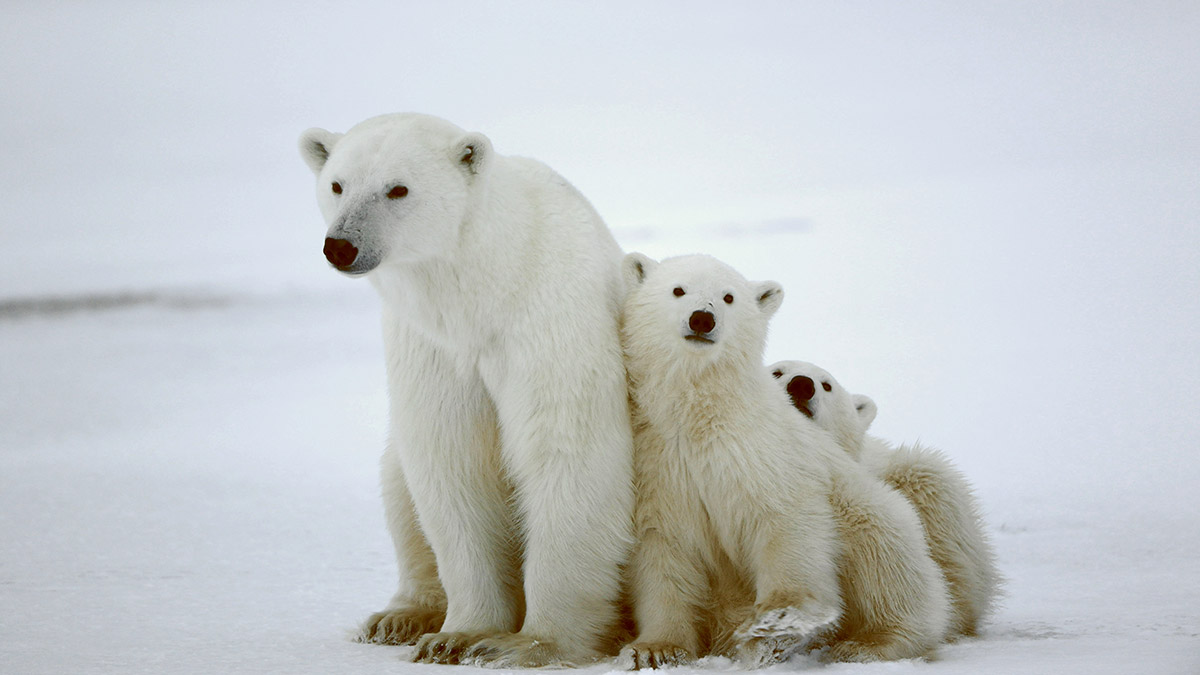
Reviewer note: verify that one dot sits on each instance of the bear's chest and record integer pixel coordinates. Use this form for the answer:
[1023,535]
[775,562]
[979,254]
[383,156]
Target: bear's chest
[447,318]
[728,487]
[449,309]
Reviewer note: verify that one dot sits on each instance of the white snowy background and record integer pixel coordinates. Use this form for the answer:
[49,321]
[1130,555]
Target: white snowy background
[985,214]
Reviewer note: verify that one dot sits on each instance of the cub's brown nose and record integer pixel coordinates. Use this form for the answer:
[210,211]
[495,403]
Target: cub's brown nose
[339,252]
[801,388]
[702,321]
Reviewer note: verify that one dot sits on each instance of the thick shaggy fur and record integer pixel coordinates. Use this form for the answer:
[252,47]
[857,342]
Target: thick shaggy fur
[943,499]
[507,478]
[740,549]
[953,525]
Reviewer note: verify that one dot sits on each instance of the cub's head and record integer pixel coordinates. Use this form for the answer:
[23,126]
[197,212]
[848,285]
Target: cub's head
[695,309]
[816,394]
[394,188]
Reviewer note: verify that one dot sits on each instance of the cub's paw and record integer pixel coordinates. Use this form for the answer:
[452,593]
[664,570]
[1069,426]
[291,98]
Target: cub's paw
[767,651]
[868,647]
[401,626]
[641,655]
[795,622]
[519,650]
[822,640]
[851,651]
[447,648]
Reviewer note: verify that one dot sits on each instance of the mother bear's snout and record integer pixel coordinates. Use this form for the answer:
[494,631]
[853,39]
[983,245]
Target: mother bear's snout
[340,252]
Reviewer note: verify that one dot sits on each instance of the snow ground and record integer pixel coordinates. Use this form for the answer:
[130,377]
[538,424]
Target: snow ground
[190,487]
[984,216]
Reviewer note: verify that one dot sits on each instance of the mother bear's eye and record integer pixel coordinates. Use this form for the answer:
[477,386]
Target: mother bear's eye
[678,292]
[827,386]
[337,188]
[778,374]
[397,192]
[728,299]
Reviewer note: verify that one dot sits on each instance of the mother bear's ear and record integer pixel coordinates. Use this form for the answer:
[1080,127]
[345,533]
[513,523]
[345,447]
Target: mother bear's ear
[474,152]
[635,267]
[315,146]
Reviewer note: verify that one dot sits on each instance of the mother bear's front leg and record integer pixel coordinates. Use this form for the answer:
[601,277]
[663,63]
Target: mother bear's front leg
[567,445]
[446,434]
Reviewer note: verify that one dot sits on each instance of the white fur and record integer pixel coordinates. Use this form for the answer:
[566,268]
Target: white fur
[834,409]
[730,527]
[509,417]
[949,512]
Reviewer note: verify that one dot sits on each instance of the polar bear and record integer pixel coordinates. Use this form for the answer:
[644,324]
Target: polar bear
[740,549]
[507,485]
[943,498]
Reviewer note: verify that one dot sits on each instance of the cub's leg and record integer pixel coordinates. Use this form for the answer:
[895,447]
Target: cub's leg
[794,561]
[668,585]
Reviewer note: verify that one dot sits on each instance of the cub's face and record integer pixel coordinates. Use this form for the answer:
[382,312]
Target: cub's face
[696,307]
[393,188]
[816,394]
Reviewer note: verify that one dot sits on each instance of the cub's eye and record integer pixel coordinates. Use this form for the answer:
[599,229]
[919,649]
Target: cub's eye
[827,386]
[678,292]
[728,299]
[397,192]
[337,188]
[778,374]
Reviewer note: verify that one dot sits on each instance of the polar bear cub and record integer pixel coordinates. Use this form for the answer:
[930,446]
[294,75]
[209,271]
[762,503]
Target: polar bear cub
[943,498]
[507,486]
[740,549]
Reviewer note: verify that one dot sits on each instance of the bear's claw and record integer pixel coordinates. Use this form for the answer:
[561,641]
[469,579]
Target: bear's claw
[445,648]
[653,655]
[401,626]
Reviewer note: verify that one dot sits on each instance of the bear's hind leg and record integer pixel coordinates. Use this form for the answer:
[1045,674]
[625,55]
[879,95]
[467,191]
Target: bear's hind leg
[954,530]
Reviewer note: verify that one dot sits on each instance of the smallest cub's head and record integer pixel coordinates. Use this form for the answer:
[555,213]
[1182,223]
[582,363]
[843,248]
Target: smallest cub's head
[695,308]
[816,394]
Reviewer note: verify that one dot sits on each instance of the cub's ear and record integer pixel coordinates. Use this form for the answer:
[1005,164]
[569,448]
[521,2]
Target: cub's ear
[315,146]
[769,295]
[635,267]
[473,151]
[865,407]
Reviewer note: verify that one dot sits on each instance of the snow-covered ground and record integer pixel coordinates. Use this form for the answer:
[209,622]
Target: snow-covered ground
[985,216]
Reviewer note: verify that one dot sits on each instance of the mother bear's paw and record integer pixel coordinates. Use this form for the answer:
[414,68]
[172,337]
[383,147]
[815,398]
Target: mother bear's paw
[447,648]
[401,626]
[520,650]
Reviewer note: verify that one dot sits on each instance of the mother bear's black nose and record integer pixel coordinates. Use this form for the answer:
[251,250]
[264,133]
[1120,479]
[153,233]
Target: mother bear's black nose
[702,321]
[801,388]
[340,252]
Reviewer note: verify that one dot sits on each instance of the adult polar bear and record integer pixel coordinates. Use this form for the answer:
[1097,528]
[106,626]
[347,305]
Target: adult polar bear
[507,478]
